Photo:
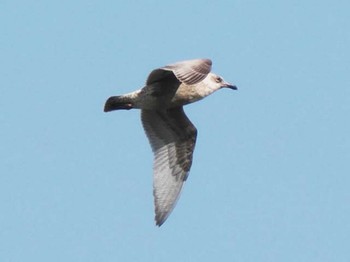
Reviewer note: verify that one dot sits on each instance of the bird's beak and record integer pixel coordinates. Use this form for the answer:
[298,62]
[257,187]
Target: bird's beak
[228,85]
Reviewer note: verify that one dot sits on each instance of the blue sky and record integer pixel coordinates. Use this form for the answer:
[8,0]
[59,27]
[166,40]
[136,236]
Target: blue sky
[270,179]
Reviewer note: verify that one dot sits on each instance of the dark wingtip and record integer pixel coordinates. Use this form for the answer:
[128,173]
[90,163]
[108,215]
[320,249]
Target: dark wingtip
[160,218]
[159,223]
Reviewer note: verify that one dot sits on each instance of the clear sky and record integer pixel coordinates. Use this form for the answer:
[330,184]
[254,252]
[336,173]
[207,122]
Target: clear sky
[270,179]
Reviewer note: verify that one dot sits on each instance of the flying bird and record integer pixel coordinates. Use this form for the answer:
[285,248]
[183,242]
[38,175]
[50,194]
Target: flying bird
[171,134]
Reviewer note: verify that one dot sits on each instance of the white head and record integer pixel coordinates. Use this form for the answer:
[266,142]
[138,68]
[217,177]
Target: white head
[215,82]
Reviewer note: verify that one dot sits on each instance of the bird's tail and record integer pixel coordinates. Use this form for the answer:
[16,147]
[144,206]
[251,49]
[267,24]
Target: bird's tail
[117,102]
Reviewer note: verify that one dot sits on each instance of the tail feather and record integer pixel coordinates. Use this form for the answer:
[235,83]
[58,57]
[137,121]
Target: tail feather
[117,102]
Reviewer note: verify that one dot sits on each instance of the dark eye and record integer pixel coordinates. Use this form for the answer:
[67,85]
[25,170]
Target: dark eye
[218,79]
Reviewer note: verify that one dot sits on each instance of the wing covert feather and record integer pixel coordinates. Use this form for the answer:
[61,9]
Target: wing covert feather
[189,72]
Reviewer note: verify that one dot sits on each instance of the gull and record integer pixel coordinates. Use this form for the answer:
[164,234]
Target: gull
[171,134]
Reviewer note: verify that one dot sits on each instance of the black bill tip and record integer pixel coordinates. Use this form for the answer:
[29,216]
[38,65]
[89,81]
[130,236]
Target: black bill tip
[233,87]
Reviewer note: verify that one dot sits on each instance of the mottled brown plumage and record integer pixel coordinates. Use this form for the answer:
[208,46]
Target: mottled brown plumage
[171,134]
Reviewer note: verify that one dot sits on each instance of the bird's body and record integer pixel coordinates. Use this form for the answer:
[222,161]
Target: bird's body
[171,134]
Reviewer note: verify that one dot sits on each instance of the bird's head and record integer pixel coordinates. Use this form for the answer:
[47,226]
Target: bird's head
[216,82]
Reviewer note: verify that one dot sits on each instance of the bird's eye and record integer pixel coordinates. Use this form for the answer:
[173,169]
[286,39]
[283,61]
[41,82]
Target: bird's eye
[218,79]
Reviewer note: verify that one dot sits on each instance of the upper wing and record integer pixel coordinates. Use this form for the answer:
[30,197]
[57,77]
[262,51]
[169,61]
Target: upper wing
[189,72]
[172,137]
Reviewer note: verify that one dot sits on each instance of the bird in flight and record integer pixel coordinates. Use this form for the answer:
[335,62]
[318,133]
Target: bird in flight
[171,134]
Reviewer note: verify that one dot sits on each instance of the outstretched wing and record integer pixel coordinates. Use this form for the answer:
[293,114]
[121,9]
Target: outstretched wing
[189,72]
[172,137]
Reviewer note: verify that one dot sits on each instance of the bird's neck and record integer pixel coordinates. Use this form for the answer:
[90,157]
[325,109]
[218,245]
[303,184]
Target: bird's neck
[187,94]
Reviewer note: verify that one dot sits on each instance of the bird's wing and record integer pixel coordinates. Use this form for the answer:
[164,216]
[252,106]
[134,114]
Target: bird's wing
[189,72]
[172,137]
